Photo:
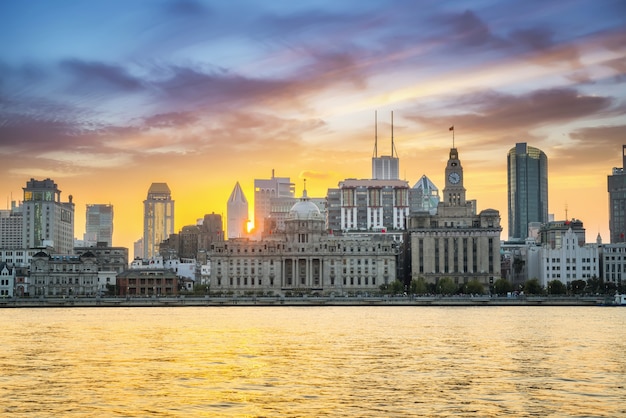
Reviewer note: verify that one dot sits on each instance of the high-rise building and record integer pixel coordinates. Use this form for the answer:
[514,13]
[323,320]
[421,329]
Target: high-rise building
[11,227]
[99,225]
[158,218]
[211,230]
[617,201]
[237,213]
[527,175]
[424,196]
[46,220]
[264,191]
[385,167]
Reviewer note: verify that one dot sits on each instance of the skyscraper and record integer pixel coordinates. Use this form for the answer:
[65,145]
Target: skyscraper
[264,191]
[385,167]
[237,213]
[158,218]
[46,219]
[99,225]
[617,201]
[527,175]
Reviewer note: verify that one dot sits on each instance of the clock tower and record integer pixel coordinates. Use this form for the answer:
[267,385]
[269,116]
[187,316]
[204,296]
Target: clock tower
[454,192]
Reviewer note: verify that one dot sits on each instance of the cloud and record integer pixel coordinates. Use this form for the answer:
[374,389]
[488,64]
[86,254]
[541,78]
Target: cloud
[592,145]
[106,78]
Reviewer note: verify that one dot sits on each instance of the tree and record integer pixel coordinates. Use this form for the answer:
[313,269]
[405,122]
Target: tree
[474,287]
[419,286]
[533,287]
[502,286]
[396,287]
[556,287]
[595,285]
[578,286]
[446,286]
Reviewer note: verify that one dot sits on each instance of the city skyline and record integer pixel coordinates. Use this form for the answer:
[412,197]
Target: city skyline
[200,95]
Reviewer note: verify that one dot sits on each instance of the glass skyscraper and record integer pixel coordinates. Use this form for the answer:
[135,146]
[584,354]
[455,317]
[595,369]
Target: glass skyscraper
[617,201]
[158,218]
[527,175]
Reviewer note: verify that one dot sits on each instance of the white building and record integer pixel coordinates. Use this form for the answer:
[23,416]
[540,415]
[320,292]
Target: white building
[237,214]
[570,261]
[7,280]
[264,191]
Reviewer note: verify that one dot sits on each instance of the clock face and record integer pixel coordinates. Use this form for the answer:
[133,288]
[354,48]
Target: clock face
[454,177]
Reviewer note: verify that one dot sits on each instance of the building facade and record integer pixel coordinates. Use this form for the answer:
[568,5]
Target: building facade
[617,201]
[46,220]
[527,179]
[305,259]
[455,242]
[424,196]
[147,282]
[237,213]
[158,218]
[569,261]
[63,275]
[264,191]
[99,224]
[7,280]
[11,227]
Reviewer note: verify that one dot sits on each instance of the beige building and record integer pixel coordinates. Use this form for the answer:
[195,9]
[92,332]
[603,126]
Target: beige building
[305,259]
[64,275]
[455,242]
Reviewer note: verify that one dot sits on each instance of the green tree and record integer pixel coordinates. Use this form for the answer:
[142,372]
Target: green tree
[502,286]
[578,286]
[474,287]
[595,285]
[556,287]
[419,286]
[446,286]
[396,287]
[533,287]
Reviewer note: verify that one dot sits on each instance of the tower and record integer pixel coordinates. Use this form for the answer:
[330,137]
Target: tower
[454,192]
[46,220]
[158,218]
[385,167]
[237,214]
[527,175]
[99,224]
[617,201]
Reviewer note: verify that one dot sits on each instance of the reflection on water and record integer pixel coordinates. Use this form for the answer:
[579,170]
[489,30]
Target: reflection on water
[313,361]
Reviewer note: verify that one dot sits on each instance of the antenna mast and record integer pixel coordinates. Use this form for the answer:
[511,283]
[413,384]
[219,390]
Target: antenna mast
[375,133]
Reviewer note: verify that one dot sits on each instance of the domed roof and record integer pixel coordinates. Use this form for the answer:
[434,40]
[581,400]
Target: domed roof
[305,210]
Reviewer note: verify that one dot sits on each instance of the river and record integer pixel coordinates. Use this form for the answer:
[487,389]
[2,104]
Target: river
[313,361]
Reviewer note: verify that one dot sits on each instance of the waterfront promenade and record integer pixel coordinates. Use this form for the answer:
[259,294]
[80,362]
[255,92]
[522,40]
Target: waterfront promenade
[181,301]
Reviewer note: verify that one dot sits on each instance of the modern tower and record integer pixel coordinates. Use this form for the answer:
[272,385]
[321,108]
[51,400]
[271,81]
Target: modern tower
[385,167]
[527,175]
[99,225]
[158,218]
[617,201]
[46,220]
[264,191]
[237,214]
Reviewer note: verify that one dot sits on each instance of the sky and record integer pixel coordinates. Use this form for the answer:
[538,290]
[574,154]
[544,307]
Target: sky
[108,97]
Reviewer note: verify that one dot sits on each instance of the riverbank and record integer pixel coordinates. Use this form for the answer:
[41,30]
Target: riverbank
[305,301]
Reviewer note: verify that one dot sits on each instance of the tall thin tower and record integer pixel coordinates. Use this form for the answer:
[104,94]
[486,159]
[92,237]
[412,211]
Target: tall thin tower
[617,201]
[237,214]
[158,218]
[527,175]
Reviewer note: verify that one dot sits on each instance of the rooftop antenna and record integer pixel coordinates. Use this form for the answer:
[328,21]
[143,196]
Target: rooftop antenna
[566,218]
[375,134]
[452,129]
[393,145]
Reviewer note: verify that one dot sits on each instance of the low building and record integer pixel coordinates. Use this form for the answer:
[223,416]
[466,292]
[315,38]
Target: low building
[64,275]
[7,280]
[147,282]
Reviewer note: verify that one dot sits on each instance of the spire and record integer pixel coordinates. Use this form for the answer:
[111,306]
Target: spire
[237,195]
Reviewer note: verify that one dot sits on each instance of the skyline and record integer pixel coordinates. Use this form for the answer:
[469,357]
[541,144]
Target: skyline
[107,98]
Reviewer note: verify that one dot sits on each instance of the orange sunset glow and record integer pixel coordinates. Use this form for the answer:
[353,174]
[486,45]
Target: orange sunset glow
[107,98]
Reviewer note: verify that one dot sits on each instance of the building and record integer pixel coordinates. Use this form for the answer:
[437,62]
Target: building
[7,280]
[614,266]
[527,176]
[211,230]
[11,227]
[424,196]
[305,259]
[99,225]
[237,214]
[617,201]
[107,258]
[46,220]
[552,234]
[368,205]
[158,218]
[147,282]
[63,275]
[455,242]
[264,191]
[385,167]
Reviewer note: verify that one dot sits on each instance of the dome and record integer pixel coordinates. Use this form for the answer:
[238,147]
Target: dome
[305,210]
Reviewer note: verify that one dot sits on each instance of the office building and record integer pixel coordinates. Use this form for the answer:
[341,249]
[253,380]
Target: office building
[158,218]
[617,201]
[385,167]
[237,213]
[424,196]
[11,227]
[455,242]
[99,225]
[264,191]
[46,220]
[527,176]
